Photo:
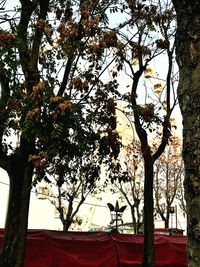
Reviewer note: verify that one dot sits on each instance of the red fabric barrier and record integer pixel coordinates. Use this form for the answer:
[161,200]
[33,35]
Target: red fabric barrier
[47,248]
[170,251]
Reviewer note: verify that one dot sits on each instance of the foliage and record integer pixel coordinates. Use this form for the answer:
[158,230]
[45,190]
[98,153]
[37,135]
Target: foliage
[58,111]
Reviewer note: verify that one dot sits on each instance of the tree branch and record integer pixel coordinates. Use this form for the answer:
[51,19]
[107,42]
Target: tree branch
[22,32]
[44,5]
[4,95]
[66,75]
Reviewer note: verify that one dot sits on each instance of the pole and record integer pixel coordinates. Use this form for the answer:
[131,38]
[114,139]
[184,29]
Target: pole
[116,220]
[171,220]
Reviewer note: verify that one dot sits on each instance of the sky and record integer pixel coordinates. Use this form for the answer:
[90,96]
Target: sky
[41,215]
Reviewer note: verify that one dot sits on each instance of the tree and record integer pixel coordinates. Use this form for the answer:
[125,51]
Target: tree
[147,117]
[134,183]
[129,182]
[168,179]
[52,96]
[187,52]
[180,193]
[77,184]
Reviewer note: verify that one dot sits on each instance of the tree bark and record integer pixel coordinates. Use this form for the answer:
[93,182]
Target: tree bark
[188,58]
[69,217]
[167,220]
[13,248]
[149,159]
[148,256]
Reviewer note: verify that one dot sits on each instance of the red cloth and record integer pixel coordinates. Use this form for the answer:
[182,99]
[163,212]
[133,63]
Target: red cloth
[47,248]
[170,251]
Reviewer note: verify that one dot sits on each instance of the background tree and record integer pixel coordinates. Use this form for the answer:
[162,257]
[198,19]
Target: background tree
[132,186]
[188,58]
[127,177]
[180,193]
[143,47]
[168,179]
[79,182]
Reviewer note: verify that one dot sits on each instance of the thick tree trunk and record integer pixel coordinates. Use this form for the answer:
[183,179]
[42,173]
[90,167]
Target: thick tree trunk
[167,222]
[148,258]
[69,217]
[67,224]
[13,247]
[188,58]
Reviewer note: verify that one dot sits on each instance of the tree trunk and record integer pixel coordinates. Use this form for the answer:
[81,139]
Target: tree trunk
[167,223]
[135,228]
[20,174]
[69,217]
[188,58]
[148,258]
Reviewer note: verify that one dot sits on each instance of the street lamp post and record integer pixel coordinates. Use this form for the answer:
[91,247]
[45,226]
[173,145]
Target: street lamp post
[116,214]
[171,212]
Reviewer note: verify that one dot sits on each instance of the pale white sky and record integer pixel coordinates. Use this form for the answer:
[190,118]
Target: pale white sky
[41,213]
